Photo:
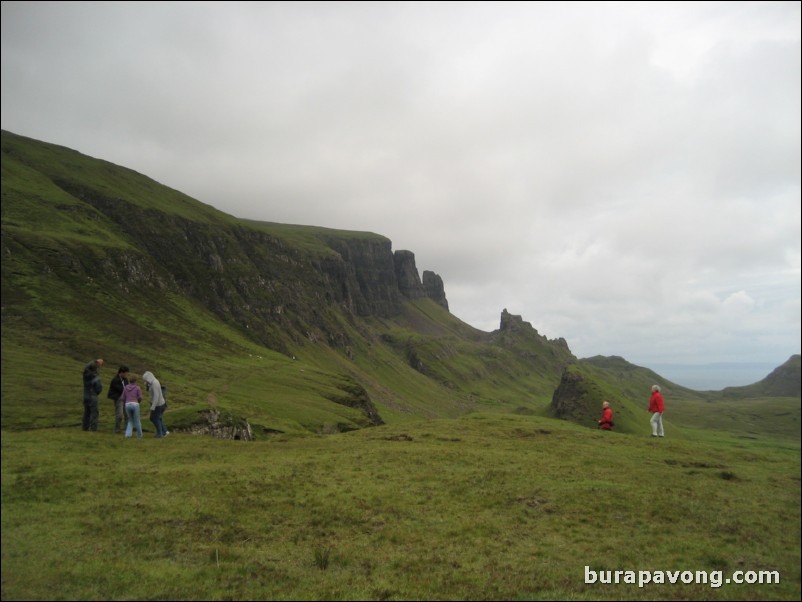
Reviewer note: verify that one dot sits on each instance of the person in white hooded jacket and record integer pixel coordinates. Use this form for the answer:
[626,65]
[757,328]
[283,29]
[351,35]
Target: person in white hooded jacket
[157,404]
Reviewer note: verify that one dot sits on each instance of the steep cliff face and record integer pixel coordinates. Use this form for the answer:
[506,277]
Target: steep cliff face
[407,275]
[434,289]
[267,285]
[274,283]
[366,276]
[410,284]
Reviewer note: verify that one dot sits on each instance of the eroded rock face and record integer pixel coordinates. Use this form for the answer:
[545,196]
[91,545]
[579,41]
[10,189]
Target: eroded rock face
[434,289]
[406,272]
[272,289]
[568,399]
[410,284]
[512,323]
[365,276]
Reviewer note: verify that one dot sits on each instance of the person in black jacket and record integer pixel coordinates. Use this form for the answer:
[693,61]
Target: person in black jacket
[116,387]
[92,388]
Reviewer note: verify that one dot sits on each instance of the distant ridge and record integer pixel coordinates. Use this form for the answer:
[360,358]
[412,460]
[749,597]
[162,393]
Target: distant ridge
[784,381]
[714,376]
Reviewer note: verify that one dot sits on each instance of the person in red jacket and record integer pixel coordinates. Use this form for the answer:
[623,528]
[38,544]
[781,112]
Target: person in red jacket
[606,423]
[656,406]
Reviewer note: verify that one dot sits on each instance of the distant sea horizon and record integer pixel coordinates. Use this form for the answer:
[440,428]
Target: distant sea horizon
[714,377]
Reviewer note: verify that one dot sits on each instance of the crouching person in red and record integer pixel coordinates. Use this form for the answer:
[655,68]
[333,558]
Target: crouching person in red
[606,423]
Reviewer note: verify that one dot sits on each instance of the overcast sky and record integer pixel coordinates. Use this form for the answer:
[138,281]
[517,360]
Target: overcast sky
[623,175]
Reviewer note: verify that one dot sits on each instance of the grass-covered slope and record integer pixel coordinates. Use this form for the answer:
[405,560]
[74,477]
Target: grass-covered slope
[784,381]
[273,322]
[765,409]
[583,388]
[485,507]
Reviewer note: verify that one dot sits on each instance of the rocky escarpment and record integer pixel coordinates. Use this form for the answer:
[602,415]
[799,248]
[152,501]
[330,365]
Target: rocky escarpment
[261,282]
[520,336]
[510,323]
[406,274]
[433,288]
[362,276]
[410,284]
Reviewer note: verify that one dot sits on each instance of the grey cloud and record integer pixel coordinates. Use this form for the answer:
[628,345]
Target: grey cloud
[624,176]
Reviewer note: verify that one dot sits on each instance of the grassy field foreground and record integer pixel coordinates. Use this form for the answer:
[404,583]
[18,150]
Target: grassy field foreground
[482,507]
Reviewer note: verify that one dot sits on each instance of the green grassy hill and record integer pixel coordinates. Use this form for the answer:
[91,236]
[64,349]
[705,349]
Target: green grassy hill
[579,399]
[764,409]
[398,452]
[784,381]
[290,327]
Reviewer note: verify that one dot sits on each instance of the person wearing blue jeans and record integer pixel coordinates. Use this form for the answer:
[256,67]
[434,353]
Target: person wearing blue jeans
[157,403]
[132,396]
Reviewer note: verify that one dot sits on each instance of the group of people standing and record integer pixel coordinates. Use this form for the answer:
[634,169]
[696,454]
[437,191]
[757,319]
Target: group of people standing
[656,407]
[126,395]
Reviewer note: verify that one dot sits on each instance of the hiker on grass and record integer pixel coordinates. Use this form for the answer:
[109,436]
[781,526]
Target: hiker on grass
[131,398]
[116,387]
[656,406]
[606,423]
[92,388]
[157,404]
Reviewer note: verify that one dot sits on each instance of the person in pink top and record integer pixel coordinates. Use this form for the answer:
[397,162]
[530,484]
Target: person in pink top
[657,407]
[132,397]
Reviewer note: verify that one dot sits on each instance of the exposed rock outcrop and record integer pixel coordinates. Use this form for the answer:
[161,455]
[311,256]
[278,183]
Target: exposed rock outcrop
[434,289]
[220,426]
[512,323]
[355,396]
[569,401]
[406,273]
[276,290]
[366,278]
[410,284]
